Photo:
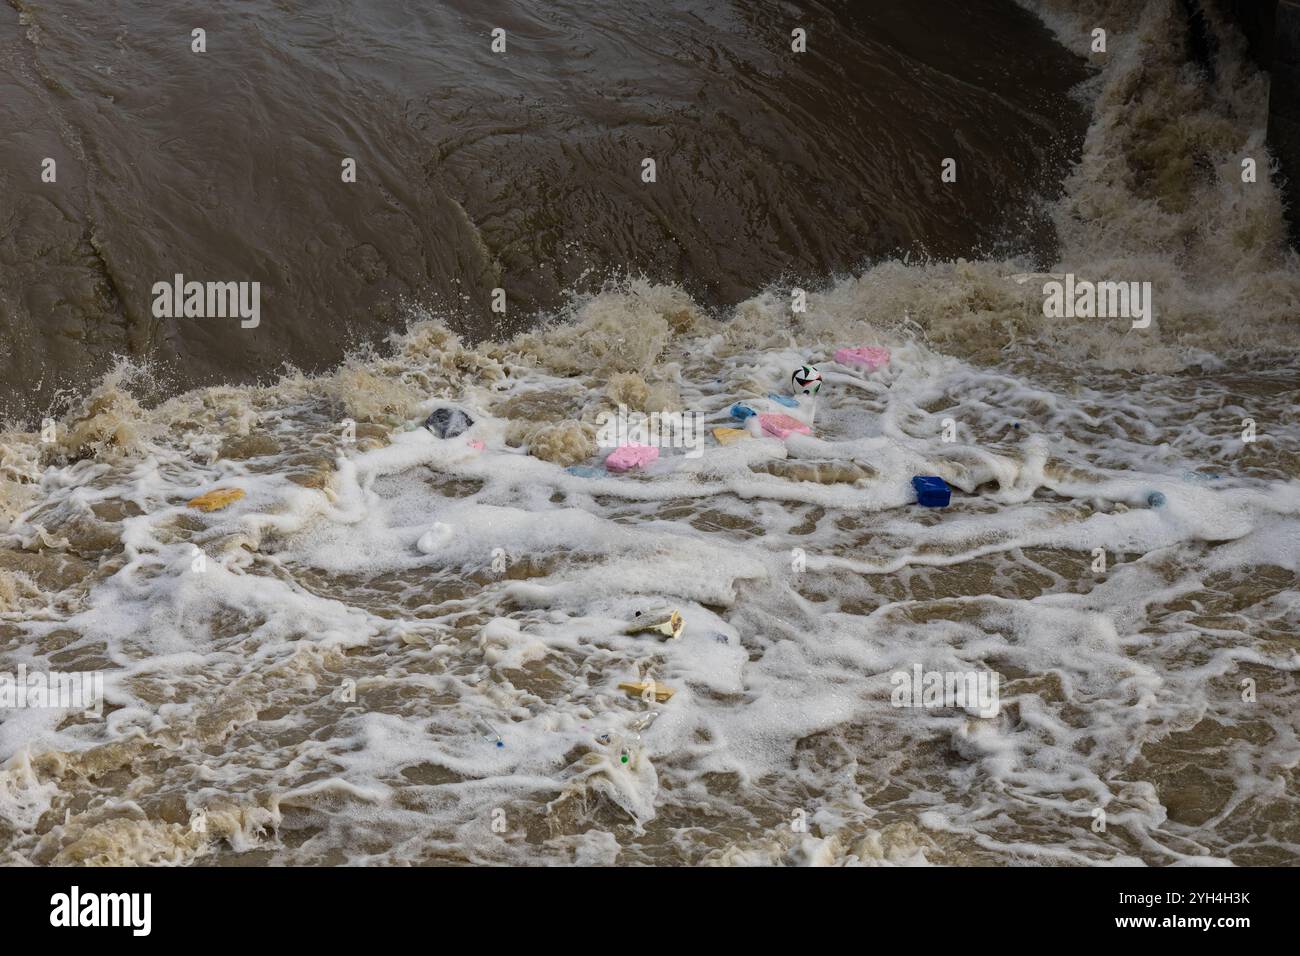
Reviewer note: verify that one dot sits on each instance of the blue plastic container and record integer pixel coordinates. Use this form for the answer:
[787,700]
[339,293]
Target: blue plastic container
[785,400]
[931,492]
[741,411]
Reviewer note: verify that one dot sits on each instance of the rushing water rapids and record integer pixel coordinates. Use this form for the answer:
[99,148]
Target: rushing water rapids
[475,170]
[320,671]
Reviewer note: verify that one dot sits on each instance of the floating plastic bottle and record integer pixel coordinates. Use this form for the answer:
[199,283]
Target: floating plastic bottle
[488,732]
[643,722]
[624,747]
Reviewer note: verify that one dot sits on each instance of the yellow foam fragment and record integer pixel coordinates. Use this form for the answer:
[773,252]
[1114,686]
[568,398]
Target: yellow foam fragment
[214,500]
[728,436]
[662,693]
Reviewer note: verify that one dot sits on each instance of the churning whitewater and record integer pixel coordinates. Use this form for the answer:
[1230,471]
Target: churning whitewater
[386,646]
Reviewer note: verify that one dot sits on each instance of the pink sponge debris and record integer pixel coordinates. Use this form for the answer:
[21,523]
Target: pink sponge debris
[627,457]
[871,357]
[783,425]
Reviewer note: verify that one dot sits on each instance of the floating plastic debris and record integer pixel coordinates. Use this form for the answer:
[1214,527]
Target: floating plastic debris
[643,722]
[620,746]
[870,357]
[931,491]
[448,422]
[587,471]
[216,500]
[742,411]
[627,457]
[670,626]
[1156,500]
[783,425]
[785,400]
[661,693]
[628,745]
[729,436]
[488,732]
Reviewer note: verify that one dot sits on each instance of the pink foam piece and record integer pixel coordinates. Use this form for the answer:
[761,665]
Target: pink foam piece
[871,357]
[627,457]
[783,425]
[476,444]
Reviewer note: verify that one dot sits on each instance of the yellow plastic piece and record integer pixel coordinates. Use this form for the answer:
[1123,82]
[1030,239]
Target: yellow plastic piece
[662,694]
[729,436]
[216,500]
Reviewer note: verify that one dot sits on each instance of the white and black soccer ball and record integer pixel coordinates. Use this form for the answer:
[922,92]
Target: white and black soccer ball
[806,380]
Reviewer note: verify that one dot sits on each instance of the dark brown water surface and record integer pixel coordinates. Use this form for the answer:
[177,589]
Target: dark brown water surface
[519,170]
